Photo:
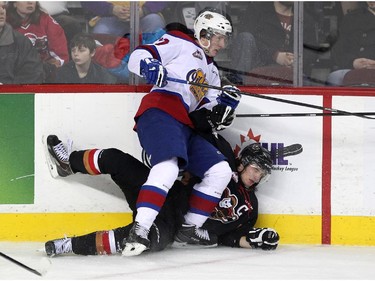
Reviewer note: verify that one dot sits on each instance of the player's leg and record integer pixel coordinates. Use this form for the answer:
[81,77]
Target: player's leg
[165,140]
[125,170]
[96,243]
[206,162]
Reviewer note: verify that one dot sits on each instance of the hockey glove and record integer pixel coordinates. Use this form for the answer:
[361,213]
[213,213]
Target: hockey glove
[264,238]
[154,72]
[229,96]
[220,117]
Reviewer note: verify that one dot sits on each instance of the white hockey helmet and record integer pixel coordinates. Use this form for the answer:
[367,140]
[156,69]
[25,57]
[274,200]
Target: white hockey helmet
[213,23]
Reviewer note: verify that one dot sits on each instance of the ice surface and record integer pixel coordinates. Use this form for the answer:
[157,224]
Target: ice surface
[222,263]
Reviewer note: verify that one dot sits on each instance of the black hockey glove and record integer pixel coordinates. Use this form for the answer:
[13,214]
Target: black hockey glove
[264,238]
[229,96]
[220,117]
[154,72]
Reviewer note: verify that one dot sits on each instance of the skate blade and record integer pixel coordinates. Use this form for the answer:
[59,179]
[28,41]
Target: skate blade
[133,249]
[50,162]
[185,245]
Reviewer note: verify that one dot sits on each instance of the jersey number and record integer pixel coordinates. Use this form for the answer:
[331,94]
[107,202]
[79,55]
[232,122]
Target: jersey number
[162,41]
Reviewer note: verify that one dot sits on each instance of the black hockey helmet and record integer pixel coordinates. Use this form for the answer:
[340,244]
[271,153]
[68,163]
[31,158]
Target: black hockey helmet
[256,154]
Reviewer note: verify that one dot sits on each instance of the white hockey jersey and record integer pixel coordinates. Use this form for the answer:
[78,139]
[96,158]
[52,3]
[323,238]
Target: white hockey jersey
[184,59]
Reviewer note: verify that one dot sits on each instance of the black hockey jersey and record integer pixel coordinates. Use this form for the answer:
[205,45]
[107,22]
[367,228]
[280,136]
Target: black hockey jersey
[237,211]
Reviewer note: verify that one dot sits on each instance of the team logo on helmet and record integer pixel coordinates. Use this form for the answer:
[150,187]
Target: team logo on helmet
[208,16]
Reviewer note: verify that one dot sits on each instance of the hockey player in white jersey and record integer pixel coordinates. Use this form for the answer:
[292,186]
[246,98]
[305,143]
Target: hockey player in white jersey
[168,122]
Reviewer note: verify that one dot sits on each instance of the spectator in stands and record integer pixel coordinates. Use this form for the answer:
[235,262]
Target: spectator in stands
[185,12]
[112,17]
[59,11]
[270,24]
[355,47]
[20,62]
[43,31]
[82,69]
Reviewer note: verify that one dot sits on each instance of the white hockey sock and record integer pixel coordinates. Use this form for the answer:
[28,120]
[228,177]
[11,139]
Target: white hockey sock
[150,200]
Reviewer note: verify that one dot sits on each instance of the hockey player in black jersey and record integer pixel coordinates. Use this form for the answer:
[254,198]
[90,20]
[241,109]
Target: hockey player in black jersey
[231,223]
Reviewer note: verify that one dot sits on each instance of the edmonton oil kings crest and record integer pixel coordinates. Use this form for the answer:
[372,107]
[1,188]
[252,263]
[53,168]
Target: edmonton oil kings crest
[197,76]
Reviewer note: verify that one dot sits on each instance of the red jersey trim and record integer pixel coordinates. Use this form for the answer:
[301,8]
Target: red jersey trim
[168,103]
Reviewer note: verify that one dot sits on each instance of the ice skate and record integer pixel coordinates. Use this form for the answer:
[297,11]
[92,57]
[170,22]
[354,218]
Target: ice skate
[57,157]
[191,235]
[58,247]
[137,241]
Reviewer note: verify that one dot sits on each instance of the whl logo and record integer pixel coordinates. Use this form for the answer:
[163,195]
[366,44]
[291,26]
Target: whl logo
[279,151]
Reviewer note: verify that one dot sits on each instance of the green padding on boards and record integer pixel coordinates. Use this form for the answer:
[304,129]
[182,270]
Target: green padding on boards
[16,148]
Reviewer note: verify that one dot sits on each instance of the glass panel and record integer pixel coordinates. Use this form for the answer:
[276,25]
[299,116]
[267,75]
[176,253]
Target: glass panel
[352,52]
[320,32]
[336,38]
[262,46]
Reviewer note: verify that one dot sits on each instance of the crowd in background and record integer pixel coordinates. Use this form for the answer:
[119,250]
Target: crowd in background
[89,42]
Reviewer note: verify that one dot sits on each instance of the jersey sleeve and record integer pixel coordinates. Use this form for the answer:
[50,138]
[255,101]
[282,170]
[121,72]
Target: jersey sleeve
[164,50]
[135,58]
[232,239]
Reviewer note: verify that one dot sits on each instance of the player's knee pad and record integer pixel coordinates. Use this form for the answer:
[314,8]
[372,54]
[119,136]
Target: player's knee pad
[163,174]
[215,179]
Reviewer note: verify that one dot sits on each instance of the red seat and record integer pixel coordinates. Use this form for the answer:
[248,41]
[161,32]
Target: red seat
[359,77]
[270,75]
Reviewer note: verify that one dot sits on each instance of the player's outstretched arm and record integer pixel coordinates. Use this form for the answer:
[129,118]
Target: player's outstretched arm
[264,238]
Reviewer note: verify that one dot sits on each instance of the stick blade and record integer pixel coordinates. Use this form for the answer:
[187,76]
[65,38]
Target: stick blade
[289,150]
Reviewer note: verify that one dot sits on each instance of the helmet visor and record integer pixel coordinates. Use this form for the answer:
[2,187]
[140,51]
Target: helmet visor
[218,37]
[264,174]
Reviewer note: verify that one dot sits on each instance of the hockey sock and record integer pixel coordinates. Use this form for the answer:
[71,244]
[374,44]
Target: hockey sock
[124,168]
[96,243]
[154,192]
[85,161]
[207,193]
[105,242]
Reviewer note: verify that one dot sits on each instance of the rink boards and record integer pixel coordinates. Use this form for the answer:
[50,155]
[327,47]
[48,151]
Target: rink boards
[324,194]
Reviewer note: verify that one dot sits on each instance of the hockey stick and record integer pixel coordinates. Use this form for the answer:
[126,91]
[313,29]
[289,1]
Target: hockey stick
[20,264]
[300,114]
[272,98]
[286,151]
